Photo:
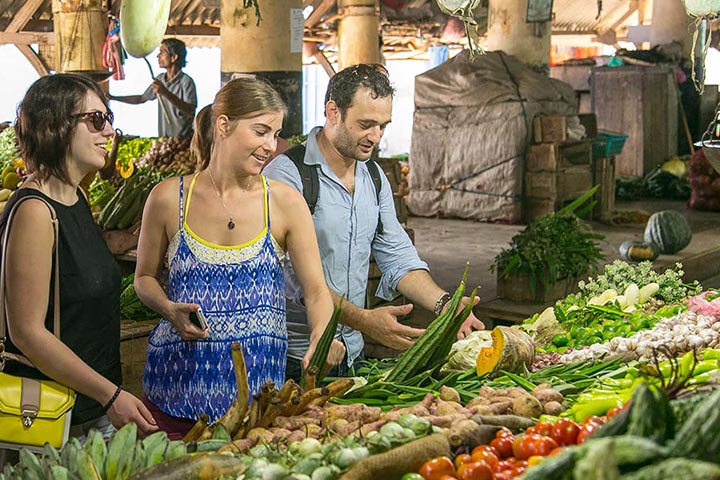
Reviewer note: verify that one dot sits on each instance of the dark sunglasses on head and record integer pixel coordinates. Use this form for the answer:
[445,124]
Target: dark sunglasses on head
[97,118]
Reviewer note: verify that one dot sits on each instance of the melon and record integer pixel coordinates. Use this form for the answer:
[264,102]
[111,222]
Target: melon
[142,25]
[668,230]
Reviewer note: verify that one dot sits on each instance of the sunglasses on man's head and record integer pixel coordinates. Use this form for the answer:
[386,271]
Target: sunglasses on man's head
[97,118]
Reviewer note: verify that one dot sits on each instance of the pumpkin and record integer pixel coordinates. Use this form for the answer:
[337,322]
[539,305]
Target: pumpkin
[668,230]
[634,251]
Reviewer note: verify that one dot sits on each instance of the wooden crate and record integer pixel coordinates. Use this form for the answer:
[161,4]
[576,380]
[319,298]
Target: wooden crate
[604,176]
[550,128]
[552,156]
[558,185]
[517,288]
[393,171]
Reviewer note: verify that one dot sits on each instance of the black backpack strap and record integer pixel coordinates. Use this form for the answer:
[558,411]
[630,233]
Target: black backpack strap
[374,170]
[308,175]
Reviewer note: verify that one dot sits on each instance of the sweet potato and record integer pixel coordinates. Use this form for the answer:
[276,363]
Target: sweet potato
[513,422]
[548,395]
[293,423]
[279,434]
[260,435]
[477,402]
[449,394]
[471,434]
[443,407]
[371,427]
[296,436]
[497,408]
[357,413]
[418,410]
[239,446]
[527,406]
[553,408]
[447,420]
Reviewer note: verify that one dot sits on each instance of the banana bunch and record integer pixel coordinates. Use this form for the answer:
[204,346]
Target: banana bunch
[123,456]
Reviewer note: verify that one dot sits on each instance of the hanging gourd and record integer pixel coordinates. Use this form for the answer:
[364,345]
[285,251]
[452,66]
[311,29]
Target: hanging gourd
[702,11]
[142,25]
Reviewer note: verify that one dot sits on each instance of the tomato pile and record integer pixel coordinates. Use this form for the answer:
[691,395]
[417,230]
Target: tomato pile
[508,455]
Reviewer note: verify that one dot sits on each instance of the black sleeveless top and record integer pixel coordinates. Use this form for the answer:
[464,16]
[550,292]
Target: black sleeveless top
[89,298]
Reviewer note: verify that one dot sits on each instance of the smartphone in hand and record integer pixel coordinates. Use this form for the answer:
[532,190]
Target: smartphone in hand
[198,319]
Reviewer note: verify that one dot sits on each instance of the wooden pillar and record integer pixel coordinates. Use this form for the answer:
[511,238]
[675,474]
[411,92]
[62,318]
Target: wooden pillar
[80,30]
[358,32]
[509,32]
[271,49]
[670,23]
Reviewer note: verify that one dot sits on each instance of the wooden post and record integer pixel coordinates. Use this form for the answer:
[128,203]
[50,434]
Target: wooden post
[80,30]
[358,32]
[272,50]
[508,31]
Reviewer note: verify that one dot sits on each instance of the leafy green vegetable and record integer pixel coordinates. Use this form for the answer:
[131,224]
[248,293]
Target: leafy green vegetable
[555,246]
[8,147]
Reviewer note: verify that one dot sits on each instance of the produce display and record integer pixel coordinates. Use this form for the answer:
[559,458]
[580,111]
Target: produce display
[12,167]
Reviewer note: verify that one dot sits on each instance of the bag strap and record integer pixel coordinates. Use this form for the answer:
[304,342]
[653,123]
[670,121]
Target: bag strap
[56,294]
[374,170]
[308,175]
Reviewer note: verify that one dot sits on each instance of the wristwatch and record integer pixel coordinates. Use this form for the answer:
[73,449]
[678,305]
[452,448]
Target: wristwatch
[441,302]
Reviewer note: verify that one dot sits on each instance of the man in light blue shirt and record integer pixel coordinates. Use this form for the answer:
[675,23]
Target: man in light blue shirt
[358,108]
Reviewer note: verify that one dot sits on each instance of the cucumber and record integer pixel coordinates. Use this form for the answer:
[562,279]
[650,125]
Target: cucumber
[698,438]
[680,468]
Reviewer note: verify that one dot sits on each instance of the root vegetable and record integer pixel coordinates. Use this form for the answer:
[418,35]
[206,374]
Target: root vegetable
[513,422]
[449,394]
[497,408]
[443,408]
[553,408]
[512,350]
[293,423]
[447,420]
[548,395]
[527,406]
[352,413]
[239,446]
[398,461]
[371,427]
[260,435]
[296,436]
[470,433]
[280,434]
[418,410]
[478,402]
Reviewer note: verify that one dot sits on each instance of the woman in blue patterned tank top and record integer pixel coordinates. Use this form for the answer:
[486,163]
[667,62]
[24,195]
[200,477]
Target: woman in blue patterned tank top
[224,232]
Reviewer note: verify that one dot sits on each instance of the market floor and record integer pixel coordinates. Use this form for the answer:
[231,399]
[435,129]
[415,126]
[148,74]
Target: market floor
[447,245]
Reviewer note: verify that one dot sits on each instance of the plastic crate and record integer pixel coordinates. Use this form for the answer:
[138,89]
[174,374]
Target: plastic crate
[608,144]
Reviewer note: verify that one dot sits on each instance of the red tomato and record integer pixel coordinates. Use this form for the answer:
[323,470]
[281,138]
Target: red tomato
[565,432]
[476,471]
[518,470]
[503,431]
[544,446]
[462,458]
[489,448]
[448,477]
[595,420]
[586,431]
[504,475]
[541,428]
[505,465]
[613,411]
[504,446]
[522,446]
[437,467]
[484,455]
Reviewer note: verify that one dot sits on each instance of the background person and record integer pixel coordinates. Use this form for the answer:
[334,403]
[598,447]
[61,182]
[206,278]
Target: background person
[224,231]
[176,91]
[358,108]
[62,129]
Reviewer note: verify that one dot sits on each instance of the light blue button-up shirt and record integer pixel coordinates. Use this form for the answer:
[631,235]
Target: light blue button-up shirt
[346,225]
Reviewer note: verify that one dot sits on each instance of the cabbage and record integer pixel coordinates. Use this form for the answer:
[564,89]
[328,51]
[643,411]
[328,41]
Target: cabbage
[463,353]
[142,25]
[675,166]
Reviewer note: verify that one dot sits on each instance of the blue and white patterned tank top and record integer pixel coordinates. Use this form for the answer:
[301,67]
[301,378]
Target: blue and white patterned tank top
[242,292]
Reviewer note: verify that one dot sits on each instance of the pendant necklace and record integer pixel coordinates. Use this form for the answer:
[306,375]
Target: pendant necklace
[231,223]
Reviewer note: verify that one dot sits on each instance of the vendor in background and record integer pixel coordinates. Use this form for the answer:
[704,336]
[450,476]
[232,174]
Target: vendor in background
[224,232]
[174,90]
[62,128]
[358,107]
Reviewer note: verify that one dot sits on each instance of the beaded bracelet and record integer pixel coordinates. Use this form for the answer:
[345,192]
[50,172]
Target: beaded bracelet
[441,302]
[114,397]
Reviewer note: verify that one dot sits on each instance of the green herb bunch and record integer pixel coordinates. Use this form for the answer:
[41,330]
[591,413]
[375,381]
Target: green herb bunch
[553,247]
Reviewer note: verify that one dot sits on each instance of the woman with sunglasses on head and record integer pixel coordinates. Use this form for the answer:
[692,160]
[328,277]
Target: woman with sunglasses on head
[224,232]
[63,127]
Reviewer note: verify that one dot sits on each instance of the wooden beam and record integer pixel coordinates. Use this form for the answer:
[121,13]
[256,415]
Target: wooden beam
[22,16]
[631,9]
[193,31]
[26,38]
[34,60]
[319,12]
